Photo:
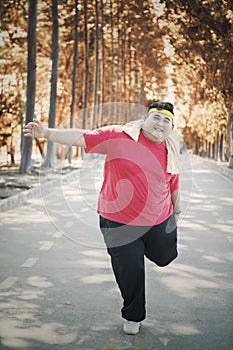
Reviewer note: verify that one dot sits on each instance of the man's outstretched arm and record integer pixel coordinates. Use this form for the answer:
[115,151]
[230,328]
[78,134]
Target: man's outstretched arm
[71,137]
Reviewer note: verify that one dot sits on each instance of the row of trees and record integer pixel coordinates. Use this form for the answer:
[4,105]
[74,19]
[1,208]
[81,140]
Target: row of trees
[76,63]
[201,35]
[97,51]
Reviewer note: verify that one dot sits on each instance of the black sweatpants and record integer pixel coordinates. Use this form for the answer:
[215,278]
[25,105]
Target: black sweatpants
[158,243]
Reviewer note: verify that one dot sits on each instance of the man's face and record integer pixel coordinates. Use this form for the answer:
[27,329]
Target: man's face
[157,126]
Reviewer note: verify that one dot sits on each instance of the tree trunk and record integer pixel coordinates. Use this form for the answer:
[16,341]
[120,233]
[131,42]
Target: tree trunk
[209,150]
[96,66]
[49,160]
[129,78]
[26,166]
[217,147]
[86,65]
[122,75]
[135,84]
[124,60]
[221,147]
[118,72]
[40,146]
[102,64]
[73,100]
[213,149]
[230,143]
[112,66]
[140,87]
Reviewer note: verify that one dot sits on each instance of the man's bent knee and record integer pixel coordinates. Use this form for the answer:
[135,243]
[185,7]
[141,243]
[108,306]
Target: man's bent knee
[165,262]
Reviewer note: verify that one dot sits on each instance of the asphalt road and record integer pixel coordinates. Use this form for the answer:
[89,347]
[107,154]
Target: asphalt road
[57,289]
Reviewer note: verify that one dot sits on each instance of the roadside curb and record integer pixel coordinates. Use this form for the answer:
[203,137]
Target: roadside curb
[35,192]
[220,168]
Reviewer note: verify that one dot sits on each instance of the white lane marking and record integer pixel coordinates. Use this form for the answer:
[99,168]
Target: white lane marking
[230,239]
[84,210]
[30,262]
[46,245]
[8,282]
[69,224]
[57,234]
[220,220]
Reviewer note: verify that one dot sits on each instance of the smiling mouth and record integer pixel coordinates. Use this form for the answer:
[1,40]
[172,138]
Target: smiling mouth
[159,130]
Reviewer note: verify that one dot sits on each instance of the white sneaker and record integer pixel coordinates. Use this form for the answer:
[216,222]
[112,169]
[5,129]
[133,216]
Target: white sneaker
[131,327]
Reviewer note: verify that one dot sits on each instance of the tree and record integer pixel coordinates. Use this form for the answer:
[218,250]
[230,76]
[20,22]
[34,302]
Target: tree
[96,66]
[102,63]
[49,160]
[26,166]
[75,55]
[200,31]
[120,59]
[86,69]
[13,45]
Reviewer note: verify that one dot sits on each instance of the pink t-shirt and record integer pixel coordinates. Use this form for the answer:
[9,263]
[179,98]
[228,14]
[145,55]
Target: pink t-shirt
[136,189]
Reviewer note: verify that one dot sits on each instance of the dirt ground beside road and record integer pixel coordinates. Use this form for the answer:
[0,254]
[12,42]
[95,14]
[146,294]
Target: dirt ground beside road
[12,182]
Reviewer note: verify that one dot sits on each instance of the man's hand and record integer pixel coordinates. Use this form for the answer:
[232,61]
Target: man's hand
[70,137]
[176,216]
[175,197]
[35,129]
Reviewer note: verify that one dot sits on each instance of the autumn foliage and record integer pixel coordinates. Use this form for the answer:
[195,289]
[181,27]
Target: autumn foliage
[123,52]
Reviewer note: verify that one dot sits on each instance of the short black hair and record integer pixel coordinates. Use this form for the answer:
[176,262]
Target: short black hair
[161,105]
